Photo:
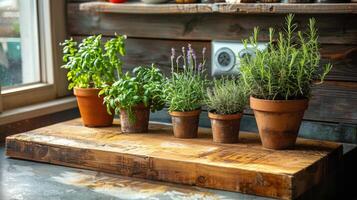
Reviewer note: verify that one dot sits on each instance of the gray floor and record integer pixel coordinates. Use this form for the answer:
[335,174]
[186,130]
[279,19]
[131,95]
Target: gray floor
[26,180]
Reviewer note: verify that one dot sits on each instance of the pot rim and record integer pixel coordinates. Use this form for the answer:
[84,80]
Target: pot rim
[266,105]
[185,113]
[225,116]
[86,91]
[139,106]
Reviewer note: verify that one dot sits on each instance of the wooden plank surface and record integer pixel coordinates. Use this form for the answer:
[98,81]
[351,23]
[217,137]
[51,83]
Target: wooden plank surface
[333,28]
[244,167]
[256,8]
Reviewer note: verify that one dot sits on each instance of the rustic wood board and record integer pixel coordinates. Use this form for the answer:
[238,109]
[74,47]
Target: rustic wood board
[172,8]
[244,167]
[333,28]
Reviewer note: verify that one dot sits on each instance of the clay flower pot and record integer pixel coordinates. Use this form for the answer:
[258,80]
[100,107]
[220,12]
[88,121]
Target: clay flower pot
[278,121]
[185,124]
[93,111]
[117,1]
[141,123]
[225,128]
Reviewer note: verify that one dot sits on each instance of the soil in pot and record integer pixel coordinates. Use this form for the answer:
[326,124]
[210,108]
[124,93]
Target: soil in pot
[141,122]
[93,111]
[278,121]
[225,128]
[185,124]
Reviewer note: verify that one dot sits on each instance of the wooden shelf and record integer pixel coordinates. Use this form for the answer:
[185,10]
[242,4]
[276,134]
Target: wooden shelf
[243,167]
[254,8]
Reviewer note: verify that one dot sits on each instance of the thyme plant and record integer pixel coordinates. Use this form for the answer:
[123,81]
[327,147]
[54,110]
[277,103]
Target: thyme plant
[184,90]
[91,66]
[227,96]
[143,86]
[287,68]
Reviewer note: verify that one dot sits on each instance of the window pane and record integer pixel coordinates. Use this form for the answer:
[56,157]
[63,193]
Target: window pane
[19,61]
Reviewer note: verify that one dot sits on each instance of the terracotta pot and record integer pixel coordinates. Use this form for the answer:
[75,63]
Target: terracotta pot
[278,121]
[141,123]
[93,111]
[117,1]
[185,124]
[225,128]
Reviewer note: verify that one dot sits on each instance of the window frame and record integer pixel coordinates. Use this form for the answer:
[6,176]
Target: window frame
[53,83]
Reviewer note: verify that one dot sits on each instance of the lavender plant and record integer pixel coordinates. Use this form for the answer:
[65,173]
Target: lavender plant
[184,90]
[289,65]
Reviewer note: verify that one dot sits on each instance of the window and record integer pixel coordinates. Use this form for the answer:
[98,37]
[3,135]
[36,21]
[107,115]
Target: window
[29,53]
[19,58]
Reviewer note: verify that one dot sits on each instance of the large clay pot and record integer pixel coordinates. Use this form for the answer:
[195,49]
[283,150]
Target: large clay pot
[278,121]
[141,123]
[225,128]
[93,111]
[185,124]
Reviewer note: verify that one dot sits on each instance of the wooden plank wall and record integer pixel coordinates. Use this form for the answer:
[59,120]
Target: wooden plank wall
[152,36]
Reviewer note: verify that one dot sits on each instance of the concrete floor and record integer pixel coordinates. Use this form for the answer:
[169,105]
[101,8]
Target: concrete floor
[26,180]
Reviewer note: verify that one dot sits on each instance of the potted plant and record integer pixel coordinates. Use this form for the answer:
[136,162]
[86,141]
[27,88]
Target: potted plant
[184,92]
[90,67]
[134,96]
[226,101]
[280,79]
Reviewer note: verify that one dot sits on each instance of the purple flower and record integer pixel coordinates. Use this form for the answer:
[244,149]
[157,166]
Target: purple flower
[193,54]
[203,51]
[178,59]
[189,59]
[189,47]
[173,53]
[199,67]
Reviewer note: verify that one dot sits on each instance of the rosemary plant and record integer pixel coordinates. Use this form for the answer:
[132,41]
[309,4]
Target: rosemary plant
[184,90]
[227,96]
[287,68]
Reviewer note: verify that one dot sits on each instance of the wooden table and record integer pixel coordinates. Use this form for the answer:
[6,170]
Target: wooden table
[244,167]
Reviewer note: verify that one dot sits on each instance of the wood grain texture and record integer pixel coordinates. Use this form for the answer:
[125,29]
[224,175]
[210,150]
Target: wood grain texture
[36,122]
[334,101]
[244,167]
[333,28]
[256,8]
[344,60]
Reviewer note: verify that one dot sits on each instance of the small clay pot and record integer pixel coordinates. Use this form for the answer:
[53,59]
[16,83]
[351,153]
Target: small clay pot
[225,128]
[93,111]
[278,121]
[141,123]
[185,124]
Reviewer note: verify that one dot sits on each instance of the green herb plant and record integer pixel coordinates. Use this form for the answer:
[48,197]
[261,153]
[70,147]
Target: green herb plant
[288,67]
[89,64]
[184,90]
[228,95]
[144,85]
